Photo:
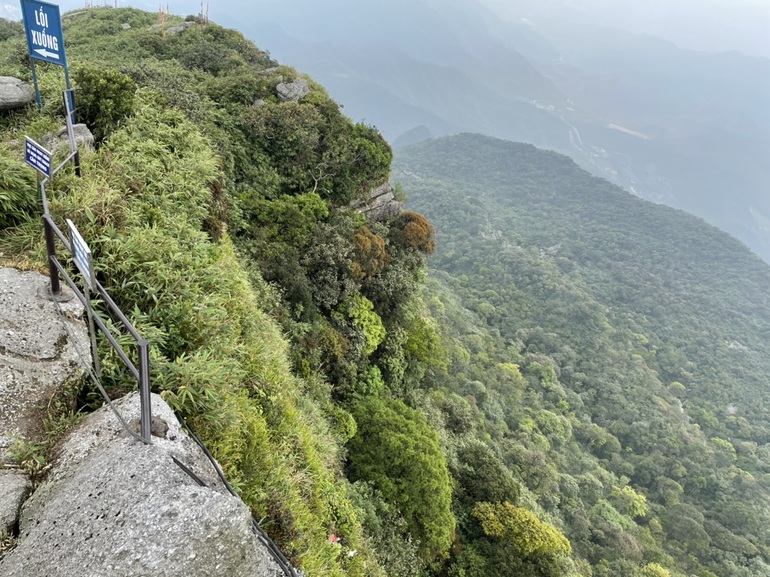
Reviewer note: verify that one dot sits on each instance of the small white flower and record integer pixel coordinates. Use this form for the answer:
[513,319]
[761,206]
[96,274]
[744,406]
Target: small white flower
[351,552]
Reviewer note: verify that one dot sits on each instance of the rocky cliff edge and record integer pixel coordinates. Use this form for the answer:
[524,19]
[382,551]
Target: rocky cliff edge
[111,506]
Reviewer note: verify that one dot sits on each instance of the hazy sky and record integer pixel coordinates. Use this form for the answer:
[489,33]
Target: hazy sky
[713,25]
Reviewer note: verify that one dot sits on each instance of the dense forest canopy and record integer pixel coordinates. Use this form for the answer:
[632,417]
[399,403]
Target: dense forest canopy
[574,389]
[639,338]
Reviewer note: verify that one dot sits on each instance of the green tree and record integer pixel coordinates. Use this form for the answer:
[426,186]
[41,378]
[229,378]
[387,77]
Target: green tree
[361,312]
[522,529]
[483,477]
[629,502]
[397,451]
[654,570]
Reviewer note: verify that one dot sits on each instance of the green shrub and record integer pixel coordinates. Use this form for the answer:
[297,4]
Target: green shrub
[103,98]
[18,193]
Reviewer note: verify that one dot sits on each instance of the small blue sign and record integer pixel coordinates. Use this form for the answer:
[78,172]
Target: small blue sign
[42,23]
[38,157]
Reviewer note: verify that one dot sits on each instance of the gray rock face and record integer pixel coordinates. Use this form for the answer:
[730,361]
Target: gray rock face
[293,91]
[14,93]
[14,488]
[180,28]
[114,507]
[40,351]
[81,132]
[380,205]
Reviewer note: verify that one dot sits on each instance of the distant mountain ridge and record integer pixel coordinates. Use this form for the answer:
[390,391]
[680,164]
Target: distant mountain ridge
[583,90]
[550,202]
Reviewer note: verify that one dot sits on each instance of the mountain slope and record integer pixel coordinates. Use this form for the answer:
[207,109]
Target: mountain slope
[651,327]
[218,214]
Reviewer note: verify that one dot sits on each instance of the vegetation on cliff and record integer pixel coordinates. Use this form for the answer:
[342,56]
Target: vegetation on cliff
[569,392]
[617,353]
[218,218]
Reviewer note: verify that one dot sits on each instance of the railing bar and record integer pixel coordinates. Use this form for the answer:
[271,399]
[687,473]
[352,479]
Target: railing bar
[66,160]
[118,349]
[102,326]
[144,391]
[58,232]
[111,303]
[107,298]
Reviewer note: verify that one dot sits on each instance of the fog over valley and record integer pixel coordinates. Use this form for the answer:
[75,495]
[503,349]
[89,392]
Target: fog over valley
[667,99]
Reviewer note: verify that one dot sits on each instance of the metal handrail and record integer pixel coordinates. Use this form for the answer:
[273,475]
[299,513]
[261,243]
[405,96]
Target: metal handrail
[140,373]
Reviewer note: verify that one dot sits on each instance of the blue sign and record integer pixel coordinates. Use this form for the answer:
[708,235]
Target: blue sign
[42,24]
[38,157]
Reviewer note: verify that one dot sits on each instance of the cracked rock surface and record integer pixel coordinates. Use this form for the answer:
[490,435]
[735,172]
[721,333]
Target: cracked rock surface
[40,352]
[14,488]
[115,507]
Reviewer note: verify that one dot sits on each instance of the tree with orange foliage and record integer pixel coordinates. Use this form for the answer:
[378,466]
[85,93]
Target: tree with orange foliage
[370,254]
[415,232]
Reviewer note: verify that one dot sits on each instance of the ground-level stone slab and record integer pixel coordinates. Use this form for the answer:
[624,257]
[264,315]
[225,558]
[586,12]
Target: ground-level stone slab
[42,348]
[115,507]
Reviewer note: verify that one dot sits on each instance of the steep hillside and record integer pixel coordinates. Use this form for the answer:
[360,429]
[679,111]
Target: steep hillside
[641,335]
[216,203]
[576,392]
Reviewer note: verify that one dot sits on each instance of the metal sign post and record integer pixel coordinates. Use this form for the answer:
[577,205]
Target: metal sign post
[45,40]
[39,158]
[84,262]
[69,103]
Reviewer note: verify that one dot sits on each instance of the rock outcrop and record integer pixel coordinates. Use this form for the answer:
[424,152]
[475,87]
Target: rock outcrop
[115,507]
[14,93]
[181,27]
[380,205]
[83,136]
[293,91]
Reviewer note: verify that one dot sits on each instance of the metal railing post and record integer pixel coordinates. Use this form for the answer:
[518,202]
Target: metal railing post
[69,106]
[144,391]
[53,273]
[76,160]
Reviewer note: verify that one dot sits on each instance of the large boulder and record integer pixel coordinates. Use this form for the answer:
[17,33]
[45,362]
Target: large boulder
[14,93]
[113,506]
[293,91]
